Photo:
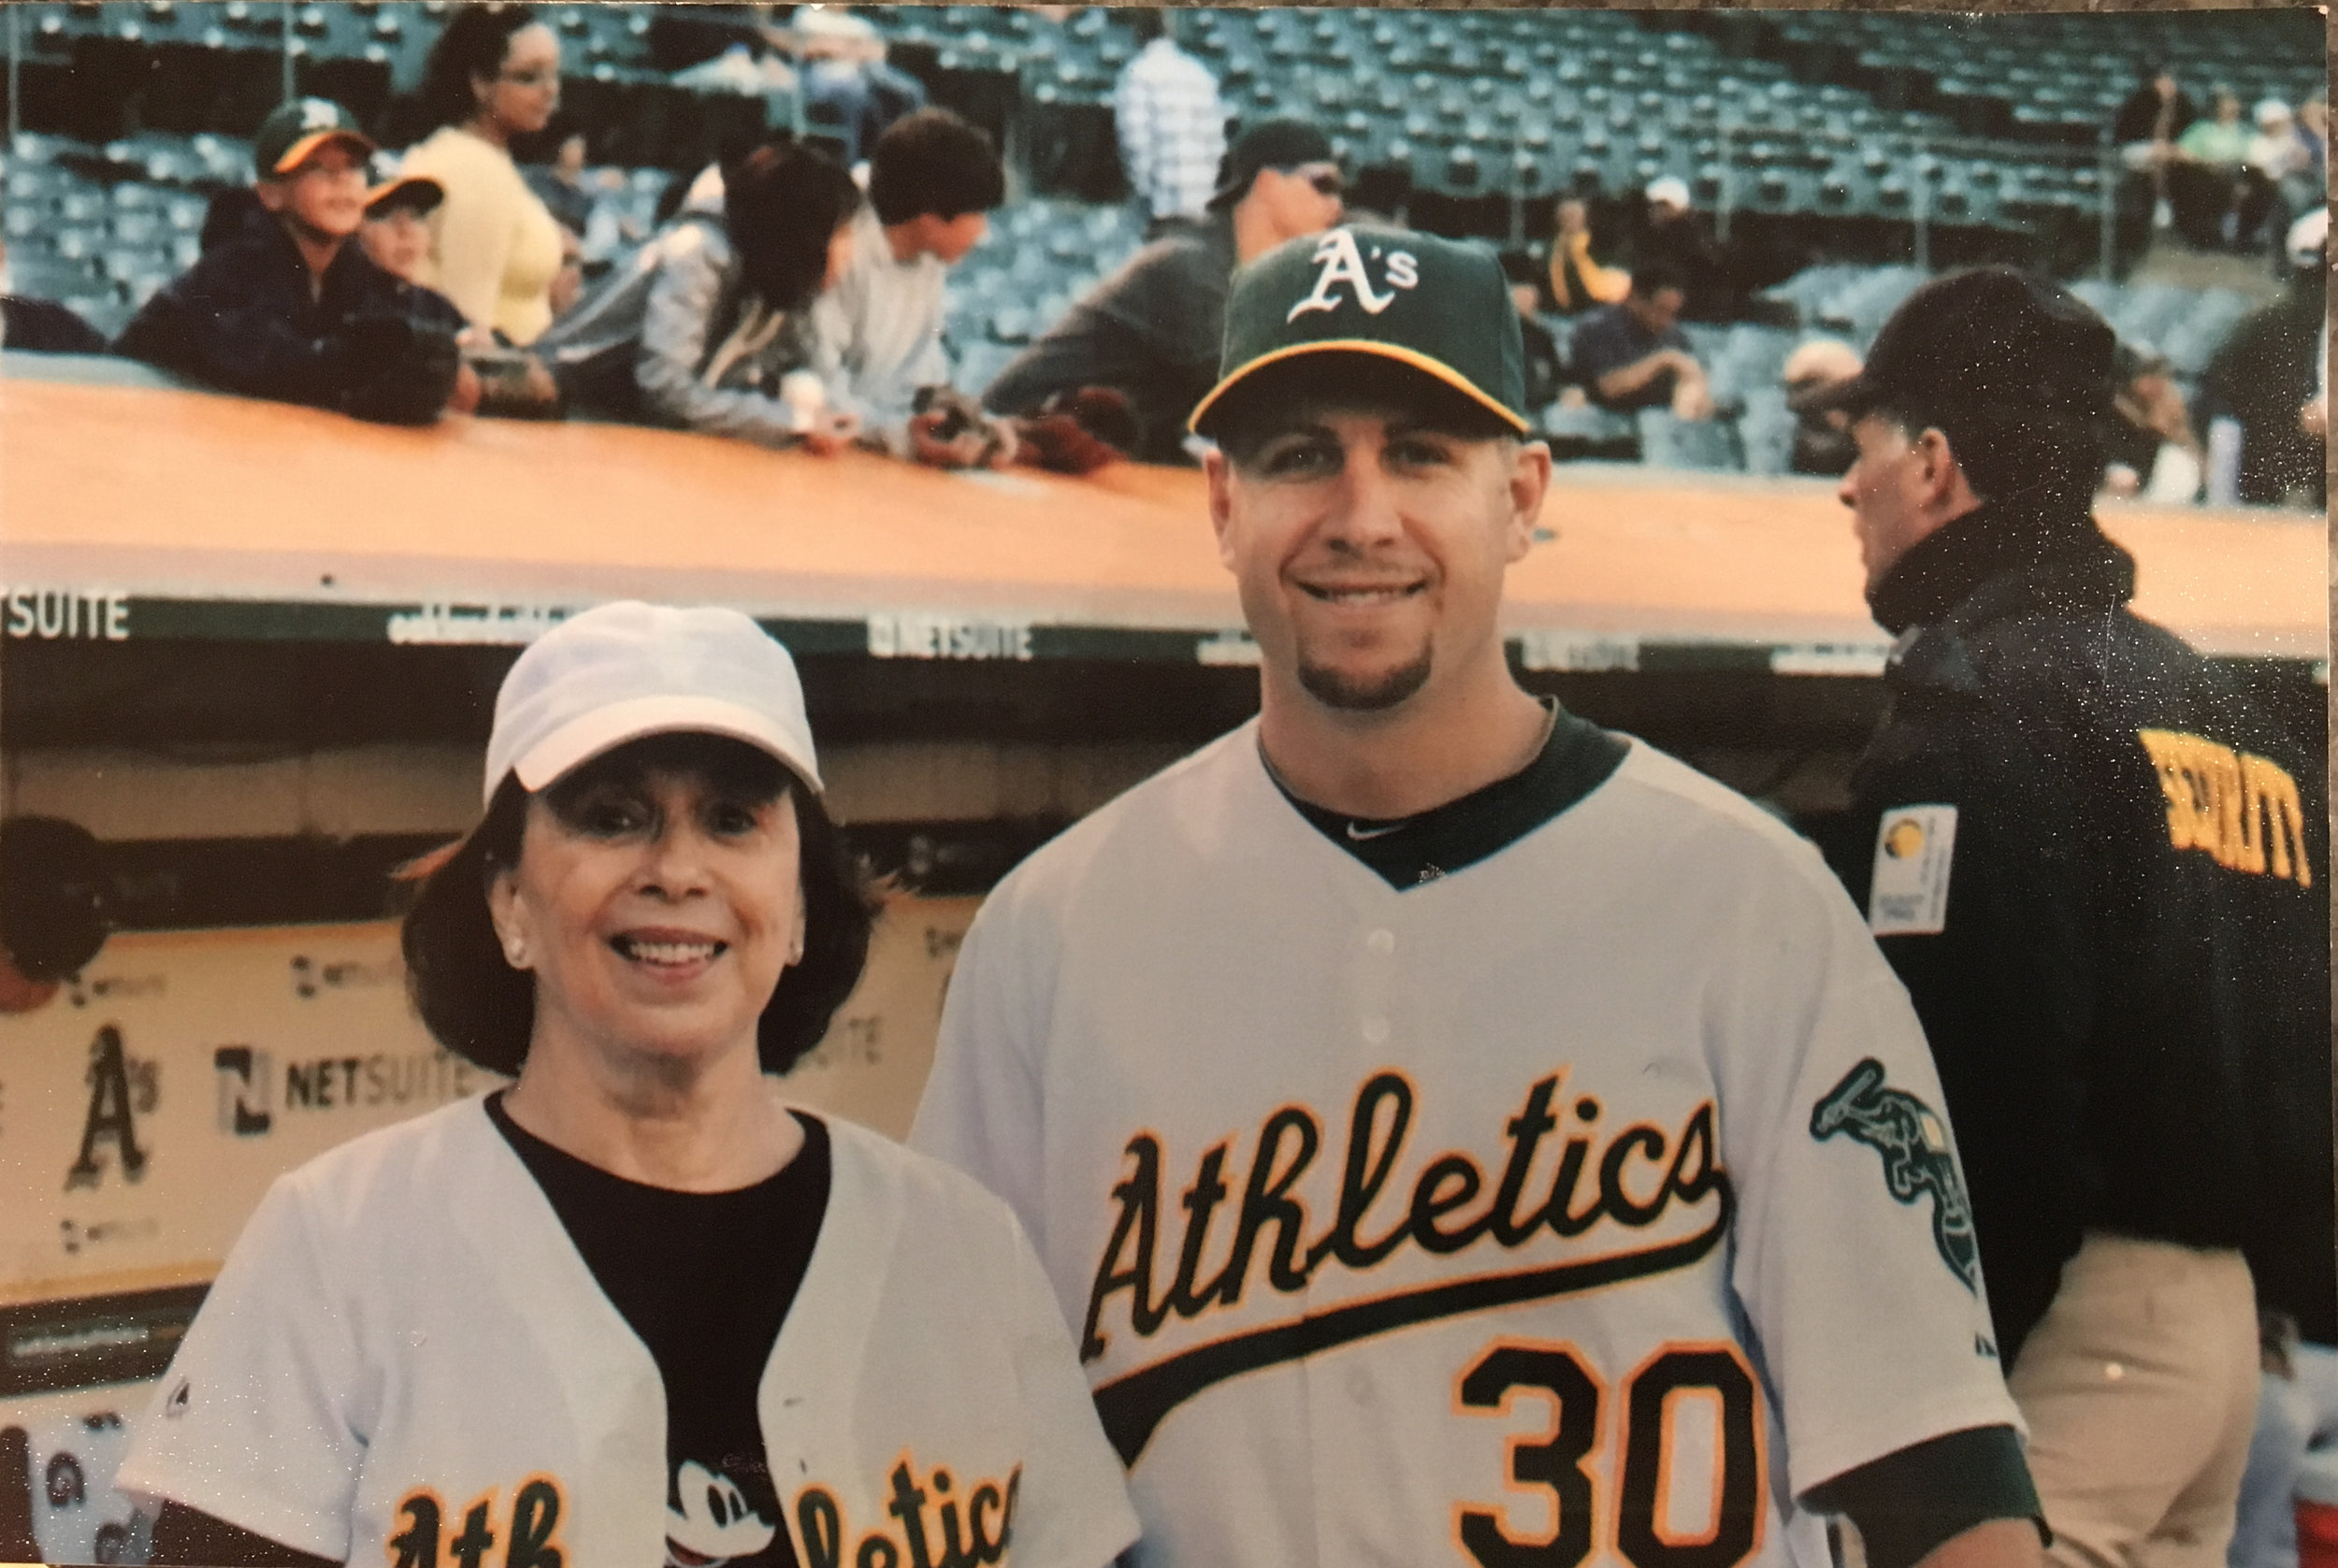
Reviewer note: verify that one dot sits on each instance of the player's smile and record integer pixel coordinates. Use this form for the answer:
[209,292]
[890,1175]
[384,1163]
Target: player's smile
[1366,595]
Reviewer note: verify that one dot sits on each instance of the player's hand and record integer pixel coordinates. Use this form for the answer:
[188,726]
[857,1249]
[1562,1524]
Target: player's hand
[832,434]
[2120,480]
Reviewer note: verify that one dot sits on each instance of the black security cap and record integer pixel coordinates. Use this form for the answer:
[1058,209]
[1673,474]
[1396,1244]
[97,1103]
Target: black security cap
[1270,144]
[1995,338]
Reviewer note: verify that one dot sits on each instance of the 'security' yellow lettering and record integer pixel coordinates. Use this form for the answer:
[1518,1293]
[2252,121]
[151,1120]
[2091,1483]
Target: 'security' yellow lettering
[2241,809]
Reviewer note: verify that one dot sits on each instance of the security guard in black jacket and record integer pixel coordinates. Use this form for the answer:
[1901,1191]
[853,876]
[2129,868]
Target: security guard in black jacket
[2101,873]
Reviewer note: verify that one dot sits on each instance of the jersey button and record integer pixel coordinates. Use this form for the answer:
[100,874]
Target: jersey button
[1375,1029]
[1383,941]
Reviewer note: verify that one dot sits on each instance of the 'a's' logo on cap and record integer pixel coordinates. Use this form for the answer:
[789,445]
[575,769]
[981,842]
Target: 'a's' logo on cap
[1339,259]
[318,115]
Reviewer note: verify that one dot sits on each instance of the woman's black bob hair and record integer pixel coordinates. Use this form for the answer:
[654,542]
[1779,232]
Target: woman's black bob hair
[484,1010]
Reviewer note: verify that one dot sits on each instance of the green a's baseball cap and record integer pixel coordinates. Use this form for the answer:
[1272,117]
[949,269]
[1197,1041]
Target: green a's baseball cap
[297,127]
[1439,306]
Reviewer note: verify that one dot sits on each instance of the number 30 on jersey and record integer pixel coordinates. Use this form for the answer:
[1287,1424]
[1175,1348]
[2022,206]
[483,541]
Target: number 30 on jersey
[1688,1457]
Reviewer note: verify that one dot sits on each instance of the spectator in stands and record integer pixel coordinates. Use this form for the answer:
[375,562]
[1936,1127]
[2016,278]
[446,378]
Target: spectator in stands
[2275,158]
[562,185]
[1673,234]
[1634,356]
[41,326]
[1822,444]
[2153,449]
[2209,180]
[496,379]
[396,233]
[568,284]
[2265,375]
[933,181]
[709,327]
[2149,121]
[495,249]
[1171,124]
[1573,281]
[843,72]
[292,310]
[2314,136]
[1150,331]
[2156,112]
[2152,118]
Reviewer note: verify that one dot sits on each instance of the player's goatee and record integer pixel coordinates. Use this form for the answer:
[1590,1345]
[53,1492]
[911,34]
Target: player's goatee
[1336,688]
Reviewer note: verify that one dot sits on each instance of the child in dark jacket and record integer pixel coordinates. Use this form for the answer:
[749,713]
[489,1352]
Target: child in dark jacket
[287,306]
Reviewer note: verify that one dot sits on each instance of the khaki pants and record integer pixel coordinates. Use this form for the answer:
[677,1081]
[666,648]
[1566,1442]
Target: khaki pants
[2140,1388]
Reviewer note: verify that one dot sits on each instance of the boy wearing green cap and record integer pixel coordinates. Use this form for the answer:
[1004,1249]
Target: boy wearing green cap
[293,308]
[1459,1133]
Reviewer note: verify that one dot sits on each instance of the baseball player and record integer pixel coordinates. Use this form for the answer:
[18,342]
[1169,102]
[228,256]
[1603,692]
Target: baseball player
[1457,1133]
[634,1309]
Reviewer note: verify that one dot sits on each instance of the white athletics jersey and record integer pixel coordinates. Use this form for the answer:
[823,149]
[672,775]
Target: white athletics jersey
[405,1362]
[1590,1202]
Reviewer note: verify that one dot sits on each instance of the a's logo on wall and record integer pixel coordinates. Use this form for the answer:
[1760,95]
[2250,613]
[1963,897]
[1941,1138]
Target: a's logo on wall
[121,1088]
[1913,1142]
[1339,259]
[243,1091]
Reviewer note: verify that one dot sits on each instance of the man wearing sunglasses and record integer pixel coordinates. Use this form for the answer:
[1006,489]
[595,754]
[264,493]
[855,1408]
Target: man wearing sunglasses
[1151,332]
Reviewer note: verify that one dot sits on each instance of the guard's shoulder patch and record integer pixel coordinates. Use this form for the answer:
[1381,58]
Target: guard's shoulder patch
[1908,893]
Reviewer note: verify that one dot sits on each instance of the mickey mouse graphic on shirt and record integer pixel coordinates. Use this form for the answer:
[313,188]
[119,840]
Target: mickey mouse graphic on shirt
[709,1520]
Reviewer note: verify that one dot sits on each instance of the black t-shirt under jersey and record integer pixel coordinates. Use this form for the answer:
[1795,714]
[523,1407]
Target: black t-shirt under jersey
[705,1279]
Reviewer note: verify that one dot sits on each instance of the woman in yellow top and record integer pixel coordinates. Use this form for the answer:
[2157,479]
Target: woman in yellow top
[494,248]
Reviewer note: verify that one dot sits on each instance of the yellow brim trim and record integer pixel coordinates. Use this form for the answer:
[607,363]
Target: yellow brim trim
[297,153]
[438,192]
[1413,357]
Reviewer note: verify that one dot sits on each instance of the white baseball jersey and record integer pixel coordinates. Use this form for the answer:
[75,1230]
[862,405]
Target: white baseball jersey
[406,1363]
[1590,1201]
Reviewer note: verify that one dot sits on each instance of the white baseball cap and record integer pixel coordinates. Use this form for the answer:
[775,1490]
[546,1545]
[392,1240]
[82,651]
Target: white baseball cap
[623,671]
[1669,190]
[2308,238]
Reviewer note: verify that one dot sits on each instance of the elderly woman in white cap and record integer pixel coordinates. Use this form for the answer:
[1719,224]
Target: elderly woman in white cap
[635,1308]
